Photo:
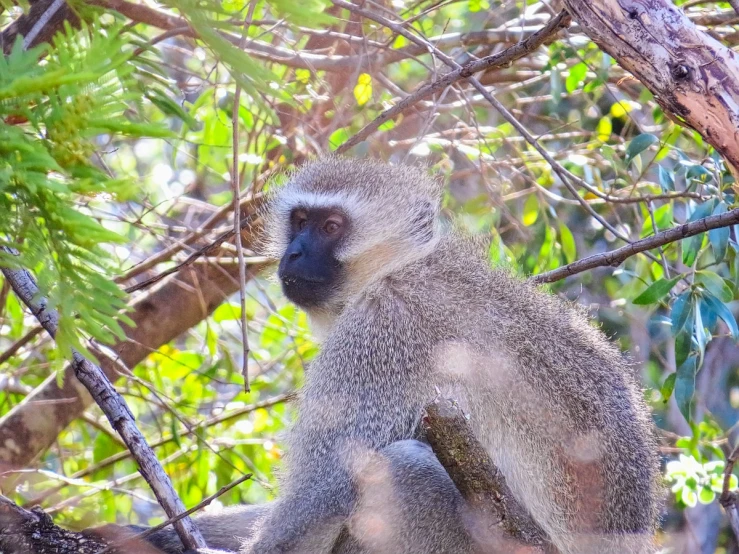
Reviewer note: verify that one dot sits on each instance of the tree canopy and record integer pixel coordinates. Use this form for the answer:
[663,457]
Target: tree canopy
[129,133]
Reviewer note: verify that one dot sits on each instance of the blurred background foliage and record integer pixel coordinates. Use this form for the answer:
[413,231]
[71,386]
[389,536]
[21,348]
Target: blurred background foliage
[116,148]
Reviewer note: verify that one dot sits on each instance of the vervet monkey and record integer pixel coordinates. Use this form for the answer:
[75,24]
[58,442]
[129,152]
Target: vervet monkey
[408,311]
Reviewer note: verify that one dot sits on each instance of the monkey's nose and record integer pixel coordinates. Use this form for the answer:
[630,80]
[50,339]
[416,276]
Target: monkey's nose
[292,256]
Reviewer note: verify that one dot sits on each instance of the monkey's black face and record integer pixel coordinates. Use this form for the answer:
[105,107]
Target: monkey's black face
[309,270]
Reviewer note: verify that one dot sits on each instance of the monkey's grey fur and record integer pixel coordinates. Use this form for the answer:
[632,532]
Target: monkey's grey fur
[420,312]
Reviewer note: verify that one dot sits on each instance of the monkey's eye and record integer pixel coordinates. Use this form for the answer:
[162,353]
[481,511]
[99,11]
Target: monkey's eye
[331,227]
[300,220]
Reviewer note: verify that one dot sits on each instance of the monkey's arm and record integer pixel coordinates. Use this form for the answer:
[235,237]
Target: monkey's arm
[362,393]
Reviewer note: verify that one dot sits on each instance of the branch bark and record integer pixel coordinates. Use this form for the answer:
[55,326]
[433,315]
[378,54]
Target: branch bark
[114,407]
[692,76]
[473,472]
[617,256]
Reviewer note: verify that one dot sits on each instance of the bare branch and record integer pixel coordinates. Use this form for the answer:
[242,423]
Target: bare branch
[501,59]
[114,407]
[617,256]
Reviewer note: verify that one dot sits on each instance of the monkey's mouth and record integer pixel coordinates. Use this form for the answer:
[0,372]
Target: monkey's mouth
[306,292]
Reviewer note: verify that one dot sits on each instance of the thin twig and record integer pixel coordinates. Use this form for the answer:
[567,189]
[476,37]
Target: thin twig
[236,191]
[205,502]
[112,404]
[20,343]
[501,59]
[617,256]
[205,250]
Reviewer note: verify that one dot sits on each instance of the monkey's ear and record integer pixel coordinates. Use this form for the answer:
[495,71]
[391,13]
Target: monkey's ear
[423,221]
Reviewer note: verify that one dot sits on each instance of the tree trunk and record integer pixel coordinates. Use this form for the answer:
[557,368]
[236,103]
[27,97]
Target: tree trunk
[693,77]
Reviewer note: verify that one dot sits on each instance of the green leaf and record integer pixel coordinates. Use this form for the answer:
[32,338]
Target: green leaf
[715,285]
[338,137]
[668,386]
[665,179]
[656,291]
[639,144]
[684,343]
[719,238]
[685,385]
[530,210]
[706,495]
[575,77]
[568,243]
[689,497]
[692,245]
[227,311]
[723,312]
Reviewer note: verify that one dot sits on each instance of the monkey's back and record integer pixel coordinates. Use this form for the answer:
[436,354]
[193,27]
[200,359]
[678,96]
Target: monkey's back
[555,403]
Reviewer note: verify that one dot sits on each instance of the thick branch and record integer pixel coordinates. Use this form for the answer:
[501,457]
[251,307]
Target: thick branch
[114,407]
[23,531]
[481,483]
[692,76]
[617,256]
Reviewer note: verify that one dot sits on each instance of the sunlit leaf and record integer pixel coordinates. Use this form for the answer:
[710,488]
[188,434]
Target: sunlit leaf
[363,89]
[530,210]
[576,76]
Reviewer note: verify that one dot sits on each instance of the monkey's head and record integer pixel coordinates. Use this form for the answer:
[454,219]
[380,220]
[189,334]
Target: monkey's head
[339,224]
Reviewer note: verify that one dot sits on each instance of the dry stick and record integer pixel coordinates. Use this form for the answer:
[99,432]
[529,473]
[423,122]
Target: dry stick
[477,478]
[205,502]
[728,499]
[114,407]
[125,454]
[501,59]
[235,187]
[190,259]
[20,343]
[617,256]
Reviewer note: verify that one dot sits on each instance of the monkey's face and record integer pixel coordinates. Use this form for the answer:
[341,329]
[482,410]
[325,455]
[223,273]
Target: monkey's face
[309,271]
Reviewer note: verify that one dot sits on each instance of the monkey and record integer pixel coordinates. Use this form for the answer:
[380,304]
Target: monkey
[408,308]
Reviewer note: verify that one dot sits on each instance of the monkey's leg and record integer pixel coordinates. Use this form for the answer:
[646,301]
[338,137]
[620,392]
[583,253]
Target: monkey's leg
[407,504]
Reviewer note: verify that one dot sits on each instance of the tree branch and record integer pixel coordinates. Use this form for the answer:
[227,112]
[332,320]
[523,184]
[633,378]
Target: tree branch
[691,74]
[481,484]
[114,407]
[501,59]
[617,256]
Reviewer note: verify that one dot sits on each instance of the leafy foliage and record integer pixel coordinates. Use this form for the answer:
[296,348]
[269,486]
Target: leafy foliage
[116,145]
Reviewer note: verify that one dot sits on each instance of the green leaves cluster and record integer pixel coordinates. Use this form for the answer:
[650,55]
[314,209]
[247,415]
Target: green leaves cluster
[54,102]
